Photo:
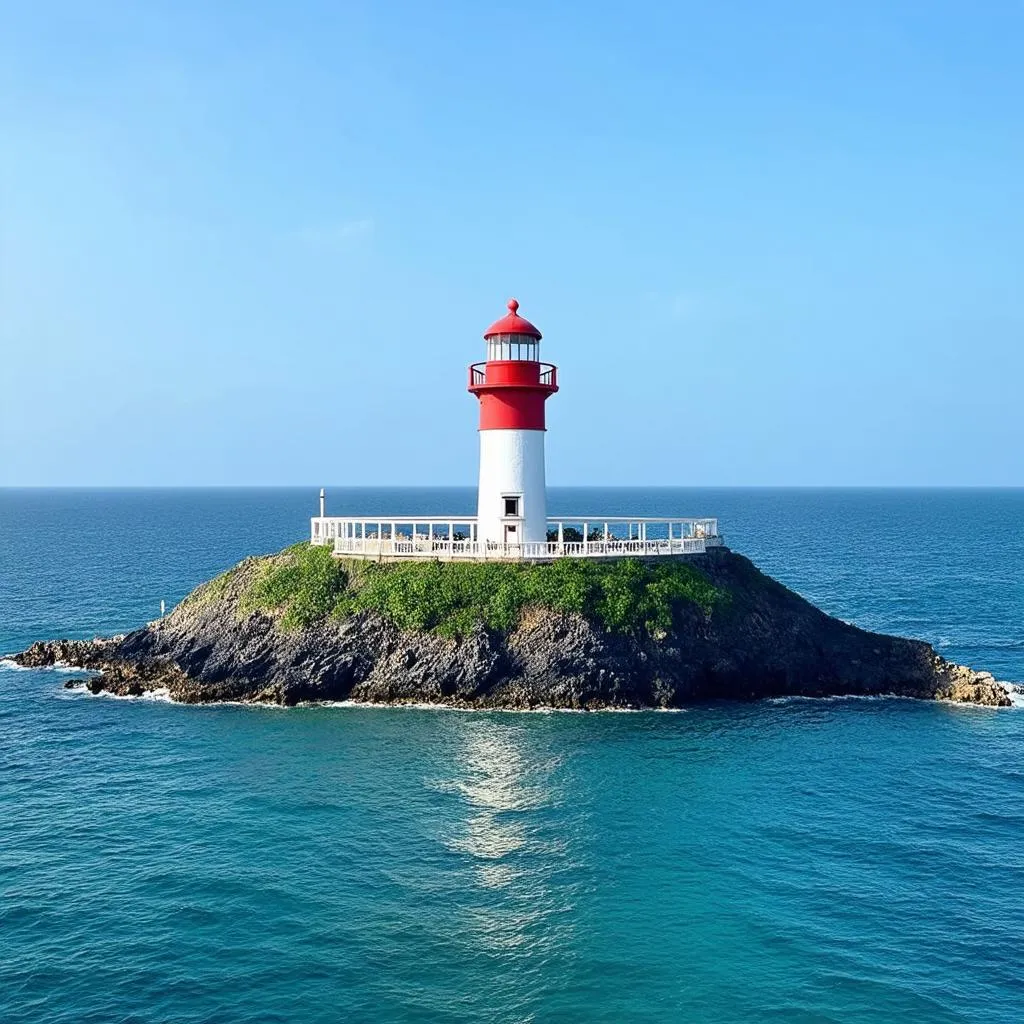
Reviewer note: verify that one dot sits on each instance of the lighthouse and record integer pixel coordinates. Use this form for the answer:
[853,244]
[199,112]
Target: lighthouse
[511,521]
[513,386]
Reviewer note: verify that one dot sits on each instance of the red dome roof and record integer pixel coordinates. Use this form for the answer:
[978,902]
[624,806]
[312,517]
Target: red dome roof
[513,323]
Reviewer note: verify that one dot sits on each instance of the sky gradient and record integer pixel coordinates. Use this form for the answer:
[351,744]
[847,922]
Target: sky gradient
[767,243]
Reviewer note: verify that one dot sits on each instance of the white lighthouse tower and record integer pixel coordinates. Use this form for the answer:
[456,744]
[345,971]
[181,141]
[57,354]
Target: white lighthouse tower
[511,521]
[512,385]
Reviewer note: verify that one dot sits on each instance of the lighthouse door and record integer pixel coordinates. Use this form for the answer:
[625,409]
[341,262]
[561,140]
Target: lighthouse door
[512,520]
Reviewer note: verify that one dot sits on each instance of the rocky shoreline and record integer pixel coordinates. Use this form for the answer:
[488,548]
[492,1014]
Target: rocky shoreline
[765,641]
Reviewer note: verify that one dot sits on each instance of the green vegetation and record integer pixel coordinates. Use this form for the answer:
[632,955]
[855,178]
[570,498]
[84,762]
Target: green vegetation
[306,581]
[624,595]
[212,590]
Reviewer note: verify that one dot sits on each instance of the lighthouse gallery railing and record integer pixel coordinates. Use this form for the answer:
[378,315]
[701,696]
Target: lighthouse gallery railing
[447,537]
[547,376]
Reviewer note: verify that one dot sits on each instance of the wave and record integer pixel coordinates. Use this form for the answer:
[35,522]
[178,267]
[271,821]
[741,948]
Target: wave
[1015,693]
[794,698]
[57,666]
[431,706]
[161,695]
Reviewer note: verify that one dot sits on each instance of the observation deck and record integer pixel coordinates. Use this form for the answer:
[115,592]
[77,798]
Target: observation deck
[399,538]
[513,374]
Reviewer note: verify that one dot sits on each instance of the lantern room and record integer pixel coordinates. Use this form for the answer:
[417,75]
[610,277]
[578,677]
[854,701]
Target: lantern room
[512,338]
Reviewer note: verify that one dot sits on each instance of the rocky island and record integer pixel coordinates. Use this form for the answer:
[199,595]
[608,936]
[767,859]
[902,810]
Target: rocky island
[302,626]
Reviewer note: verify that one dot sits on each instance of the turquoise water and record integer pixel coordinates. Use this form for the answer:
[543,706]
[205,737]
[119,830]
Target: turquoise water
[845,860]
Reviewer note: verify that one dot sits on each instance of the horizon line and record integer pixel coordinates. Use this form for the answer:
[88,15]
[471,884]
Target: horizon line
[472,486]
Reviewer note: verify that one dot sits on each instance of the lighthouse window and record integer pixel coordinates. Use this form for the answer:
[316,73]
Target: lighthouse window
[511,506]
[512,346]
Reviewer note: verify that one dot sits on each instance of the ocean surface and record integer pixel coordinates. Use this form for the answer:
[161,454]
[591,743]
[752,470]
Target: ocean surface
[807,861]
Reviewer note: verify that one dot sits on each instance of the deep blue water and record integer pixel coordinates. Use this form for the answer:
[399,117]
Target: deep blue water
[845,860]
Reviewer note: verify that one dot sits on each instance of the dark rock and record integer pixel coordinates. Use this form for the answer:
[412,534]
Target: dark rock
[73,653]
[764,641]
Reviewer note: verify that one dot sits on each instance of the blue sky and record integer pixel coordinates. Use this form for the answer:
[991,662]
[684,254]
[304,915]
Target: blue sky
[257,243]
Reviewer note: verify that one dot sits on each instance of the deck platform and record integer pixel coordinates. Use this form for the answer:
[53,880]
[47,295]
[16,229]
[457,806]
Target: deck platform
[399,538]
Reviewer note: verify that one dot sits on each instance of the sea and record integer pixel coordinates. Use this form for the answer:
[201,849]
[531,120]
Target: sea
[844,860]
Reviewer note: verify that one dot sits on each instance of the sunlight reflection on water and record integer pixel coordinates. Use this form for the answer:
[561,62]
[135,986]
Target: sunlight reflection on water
[504,786]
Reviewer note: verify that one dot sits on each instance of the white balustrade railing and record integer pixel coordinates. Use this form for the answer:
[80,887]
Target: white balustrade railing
[569,537]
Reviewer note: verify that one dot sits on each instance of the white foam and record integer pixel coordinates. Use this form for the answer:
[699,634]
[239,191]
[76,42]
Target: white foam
[161,694]
[1015,692]
[832,698]
[57,666]
[430,706]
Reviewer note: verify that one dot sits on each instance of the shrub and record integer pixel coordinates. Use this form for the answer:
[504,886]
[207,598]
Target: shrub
[569,534]
[623,595]
[304,580]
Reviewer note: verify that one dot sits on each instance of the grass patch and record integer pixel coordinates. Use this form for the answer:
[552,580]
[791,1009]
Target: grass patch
[305,581]
[624,595]
[212,590]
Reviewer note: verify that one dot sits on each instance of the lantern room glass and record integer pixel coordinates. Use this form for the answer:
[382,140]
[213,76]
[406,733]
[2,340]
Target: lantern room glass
[519,347]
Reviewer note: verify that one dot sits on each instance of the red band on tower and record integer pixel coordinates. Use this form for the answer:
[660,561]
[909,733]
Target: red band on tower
[512,394]
[512,391]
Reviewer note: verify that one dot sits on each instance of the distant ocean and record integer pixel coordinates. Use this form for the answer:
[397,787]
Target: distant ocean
[800,861]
